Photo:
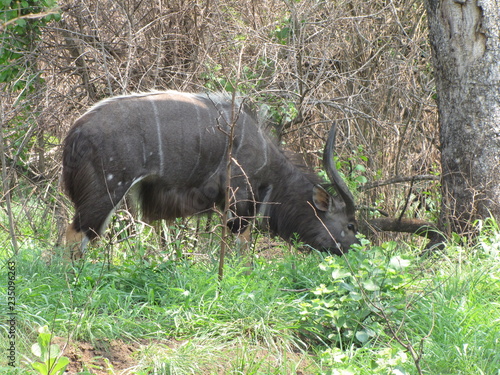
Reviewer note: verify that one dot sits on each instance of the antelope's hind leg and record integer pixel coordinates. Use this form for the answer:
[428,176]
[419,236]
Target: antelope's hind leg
[75,243]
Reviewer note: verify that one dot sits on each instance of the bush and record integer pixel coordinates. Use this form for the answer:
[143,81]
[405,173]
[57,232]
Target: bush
[364,290]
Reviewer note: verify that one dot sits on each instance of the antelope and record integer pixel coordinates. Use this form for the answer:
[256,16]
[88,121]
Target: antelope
[170,149]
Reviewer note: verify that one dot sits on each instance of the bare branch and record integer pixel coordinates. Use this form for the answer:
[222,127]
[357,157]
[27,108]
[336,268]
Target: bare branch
[419,227]
[399,179]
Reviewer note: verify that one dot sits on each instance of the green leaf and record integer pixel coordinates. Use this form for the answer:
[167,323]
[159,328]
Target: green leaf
[60,365]
[399,263]
[370,285]
[322,289]
[362,336]
[356,296]
[36,350]
[44,340]
[21,22]
[361,180]
[340,274]
[40,367]
[54,351]
[360,168]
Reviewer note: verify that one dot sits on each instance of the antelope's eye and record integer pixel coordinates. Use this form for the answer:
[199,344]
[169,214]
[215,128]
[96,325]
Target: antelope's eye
[351,227]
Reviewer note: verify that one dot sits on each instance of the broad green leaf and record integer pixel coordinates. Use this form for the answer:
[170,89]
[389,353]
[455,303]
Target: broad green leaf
[361,180]
[340,274]
[360,168]
[21,22]
[370,285]
[60,365]
[44,340]
[54,351]
[355,296]
[40,367]
[399,263]
[362,336]
[36,350]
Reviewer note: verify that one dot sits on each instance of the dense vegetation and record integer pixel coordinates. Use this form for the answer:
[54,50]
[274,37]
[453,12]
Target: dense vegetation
[378,310]
[142,303]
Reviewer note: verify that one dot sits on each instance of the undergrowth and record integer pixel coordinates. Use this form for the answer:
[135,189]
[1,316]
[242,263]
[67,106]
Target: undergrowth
[378,310]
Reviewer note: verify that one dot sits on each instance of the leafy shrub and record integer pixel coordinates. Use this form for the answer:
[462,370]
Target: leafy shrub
[22,22]
[364,289]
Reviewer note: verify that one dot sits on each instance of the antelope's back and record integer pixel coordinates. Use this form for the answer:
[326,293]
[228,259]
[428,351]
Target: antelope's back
[178,136]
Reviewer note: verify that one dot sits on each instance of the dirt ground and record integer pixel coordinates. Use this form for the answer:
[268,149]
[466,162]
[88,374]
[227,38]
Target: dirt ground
[102,358]
[119,358]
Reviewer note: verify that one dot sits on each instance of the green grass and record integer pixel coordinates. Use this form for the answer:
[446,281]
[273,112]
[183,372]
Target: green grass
[462,319]
[182,321]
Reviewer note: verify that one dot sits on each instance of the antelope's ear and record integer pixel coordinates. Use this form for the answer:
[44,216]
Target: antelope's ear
[321,198]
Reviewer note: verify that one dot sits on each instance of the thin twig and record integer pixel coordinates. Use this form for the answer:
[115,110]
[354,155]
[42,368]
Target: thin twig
[7,190]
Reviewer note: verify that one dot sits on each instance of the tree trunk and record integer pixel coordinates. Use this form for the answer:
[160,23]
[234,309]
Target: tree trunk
[465,41]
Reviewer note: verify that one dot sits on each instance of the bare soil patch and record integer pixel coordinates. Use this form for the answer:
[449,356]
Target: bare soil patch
[99,358]
[117,357]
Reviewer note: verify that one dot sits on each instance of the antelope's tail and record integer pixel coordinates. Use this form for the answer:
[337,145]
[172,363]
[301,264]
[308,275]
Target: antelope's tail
[78,172]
